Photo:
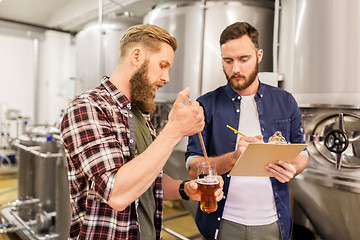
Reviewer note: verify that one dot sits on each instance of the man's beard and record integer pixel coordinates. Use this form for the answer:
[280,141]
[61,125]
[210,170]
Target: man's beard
[248,81]
[142,93]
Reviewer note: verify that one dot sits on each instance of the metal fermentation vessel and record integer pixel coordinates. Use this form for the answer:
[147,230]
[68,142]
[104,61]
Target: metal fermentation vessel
[97,50]
[197,26]
[319,60]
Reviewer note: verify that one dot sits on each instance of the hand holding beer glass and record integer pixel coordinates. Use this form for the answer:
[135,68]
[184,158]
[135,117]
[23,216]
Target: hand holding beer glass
[208,183]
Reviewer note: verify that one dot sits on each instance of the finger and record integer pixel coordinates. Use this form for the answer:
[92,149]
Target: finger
[181,97]
[221,181]
[278,176]
[193,185]
[260,137]
[219,195]
[288,166]
[279,172]
[200,114]
[252,139]
[194,103]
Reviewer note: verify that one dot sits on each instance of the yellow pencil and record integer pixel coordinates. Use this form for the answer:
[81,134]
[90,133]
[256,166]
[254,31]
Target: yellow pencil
[236,130]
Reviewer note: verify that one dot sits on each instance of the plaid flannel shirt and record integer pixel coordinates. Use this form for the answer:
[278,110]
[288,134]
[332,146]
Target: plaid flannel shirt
[98,140]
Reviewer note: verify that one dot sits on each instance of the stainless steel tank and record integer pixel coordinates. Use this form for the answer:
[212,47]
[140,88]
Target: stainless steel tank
[318,56]
[26,175]
[97,50]
[327,193]
[45,172]
[26,168]
[62,196]
[197,26]
[319,53]
[47,205]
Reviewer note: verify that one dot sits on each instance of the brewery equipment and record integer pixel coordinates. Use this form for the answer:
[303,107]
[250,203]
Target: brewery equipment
[318,59]
[197,26]
[42,210]
[97,50]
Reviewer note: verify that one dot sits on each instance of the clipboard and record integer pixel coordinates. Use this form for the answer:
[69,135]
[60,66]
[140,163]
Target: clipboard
[256,156]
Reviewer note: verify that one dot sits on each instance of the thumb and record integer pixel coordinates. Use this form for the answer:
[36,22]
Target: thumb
[183,95]
[260,137]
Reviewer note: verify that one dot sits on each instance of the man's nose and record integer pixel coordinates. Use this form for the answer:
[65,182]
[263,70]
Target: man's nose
[236,67]
[165,76]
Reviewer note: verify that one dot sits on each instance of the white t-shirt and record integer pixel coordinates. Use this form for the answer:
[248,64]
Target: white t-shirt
[250,200]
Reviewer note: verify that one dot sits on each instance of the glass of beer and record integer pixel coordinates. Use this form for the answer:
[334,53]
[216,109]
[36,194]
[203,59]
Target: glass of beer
[208,184]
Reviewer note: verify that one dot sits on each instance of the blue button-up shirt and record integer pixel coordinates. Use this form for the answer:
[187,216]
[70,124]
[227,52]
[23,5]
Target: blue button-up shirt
[277,111]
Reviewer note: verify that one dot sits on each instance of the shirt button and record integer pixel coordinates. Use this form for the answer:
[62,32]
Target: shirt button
[279,215]
[131,141]
[129,105]
[237,110]
[263,129]
[219,219]
[233,99]
[238,97]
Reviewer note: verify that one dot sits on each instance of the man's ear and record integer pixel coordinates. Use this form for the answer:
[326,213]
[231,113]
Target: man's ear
[260,54]
[136,56]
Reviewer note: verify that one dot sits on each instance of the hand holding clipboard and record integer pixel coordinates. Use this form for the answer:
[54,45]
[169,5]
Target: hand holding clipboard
[257,156]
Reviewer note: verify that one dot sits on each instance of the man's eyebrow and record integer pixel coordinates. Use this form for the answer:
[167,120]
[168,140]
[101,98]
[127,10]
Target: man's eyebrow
[238,57]
[166,63]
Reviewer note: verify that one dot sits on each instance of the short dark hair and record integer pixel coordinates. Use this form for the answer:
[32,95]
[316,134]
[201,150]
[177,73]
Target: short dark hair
[237,30]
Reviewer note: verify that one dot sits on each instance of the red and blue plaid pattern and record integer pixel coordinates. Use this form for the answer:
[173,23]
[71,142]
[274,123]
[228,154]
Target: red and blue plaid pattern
[96,135]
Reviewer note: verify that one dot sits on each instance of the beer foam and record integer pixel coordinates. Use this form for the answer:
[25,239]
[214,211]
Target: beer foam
[208,181]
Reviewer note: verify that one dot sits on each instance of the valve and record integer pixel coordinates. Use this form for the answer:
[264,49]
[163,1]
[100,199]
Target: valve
[336,141]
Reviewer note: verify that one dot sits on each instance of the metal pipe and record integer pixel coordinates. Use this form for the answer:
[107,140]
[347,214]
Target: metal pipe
[31,231]
[73,33]
[37,153]
[172,232]
[203,13]
[19,202]
[101,45]
[276,35]
[36,80]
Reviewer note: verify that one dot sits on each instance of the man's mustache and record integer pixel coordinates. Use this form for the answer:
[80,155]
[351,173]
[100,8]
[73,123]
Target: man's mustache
[237,76]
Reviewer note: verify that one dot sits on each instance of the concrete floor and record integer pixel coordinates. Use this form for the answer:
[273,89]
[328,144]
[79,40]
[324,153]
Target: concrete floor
[177,219]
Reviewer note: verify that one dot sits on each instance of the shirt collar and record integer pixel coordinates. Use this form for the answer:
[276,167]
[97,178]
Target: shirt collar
[119,97]
[260,91]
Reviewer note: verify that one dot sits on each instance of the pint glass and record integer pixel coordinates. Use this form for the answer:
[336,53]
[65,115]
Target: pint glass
[208,184]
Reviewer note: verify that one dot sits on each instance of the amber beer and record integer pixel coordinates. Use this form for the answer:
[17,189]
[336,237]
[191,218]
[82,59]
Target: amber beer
[208,186]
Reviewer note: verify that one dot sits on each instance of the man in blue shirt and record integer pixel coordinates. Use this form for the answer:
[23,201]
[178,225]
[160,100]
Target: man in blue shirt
[253,207]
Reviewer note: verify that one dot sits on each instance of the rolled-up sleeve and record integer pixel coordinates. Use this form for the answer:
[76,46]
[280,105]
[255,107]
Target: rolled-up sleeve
[94,151]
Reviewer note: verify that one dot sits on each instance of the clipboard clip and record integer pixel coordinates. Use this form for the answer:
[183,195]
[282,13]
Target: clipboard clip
[277,138]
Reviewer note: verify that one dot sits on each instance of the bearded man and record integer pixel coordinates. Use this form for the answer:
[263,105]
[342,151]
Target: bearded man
[114,160]
[253,207]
